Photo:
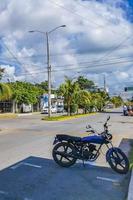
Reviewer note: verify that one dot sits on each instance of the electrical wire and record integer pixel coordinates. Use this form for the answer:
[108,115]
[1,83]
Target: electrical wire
[56,54]
[75,68]
[85,18]
[14,56]
[81,63]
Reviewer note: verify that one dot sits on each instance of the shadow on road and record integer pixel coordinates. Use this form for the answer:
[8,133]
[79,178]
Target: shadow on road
[112,112]
[41,179]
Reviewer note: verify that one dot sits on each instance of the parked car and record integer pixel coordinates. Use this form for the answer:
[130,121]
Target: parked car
[109,106]
[60,108]
[53,110]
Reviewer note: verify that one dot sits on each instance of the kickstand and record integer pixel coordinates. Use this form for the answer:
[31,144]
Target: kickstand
[83,163]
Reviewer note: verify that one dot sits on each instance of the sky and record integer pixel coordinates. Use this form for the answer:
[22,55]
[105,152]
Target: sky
[96,42]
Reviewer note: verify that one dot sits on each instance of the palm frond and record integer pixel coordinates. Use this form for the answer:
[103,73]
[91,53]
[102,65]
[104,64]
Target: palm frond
[5,92]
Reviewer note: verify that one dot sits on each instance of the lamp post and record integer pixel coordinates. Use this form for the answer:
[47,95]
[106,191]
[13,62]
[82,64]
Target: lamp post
[48,63]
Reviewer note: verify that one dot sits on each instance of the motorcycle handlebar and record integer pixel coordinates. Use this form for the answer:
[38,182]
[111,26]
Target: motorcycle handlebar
[108,136]
[105,125]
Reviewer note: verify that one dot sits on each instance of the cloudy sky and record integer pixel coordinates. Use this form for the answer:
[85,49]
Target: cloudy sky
[96,42]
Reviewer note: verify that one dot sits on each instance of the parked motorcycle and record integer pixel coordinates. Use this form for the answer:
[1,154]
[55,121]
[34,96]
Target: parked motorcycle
[68,149]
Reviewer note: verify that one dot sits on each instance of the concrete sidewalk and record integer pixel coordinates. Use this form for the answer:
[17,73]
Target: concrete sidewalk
[130,190]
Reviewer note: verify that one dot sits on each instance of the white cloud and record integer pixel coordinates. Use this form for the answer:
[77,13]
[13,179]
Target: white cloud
[92,30]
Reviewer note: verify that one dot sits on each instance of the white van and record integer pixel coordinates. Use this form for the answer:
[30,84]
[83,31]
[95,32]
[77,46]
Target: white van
[53,110]
[60,108]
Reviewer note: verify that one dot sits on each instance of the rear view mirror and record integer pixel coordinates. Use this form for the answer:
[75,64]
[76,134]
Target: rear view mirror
[108,118]
[88,126]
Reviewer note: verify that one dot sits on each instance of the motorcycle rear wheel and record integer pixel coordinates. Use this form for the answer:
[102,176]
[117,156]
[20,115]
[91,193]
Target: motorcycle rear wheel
[63,154]
[118,161]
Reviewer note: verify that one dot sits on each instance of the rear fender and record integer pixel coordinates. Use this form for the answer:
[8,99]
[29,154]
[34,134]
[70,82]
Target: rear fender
[55,141]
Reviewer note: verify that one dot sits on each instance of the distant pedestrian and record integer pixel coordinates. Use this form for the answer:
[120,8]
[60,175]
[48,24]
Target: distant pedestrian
[125,110]
[129,108]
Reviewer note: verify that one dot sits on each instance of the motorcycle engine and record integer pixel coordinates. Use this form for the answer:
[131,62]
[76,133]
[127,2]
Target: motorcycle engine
[90,152]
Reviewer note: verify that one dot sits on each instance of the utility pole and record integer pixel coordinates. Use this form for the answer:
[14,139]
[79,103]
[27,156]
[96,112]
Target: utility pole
[48,63]
[104,83]
[49,76]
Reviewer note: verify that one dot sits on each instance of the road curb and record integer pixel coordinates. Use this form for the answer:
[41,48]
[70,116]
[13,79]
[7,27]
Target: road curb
[130,189]
[24,114]
[125,146]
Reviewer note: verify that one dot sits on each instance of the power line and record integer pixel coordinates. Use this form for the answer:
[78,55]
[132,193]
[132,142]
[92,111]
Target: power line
[114,48]
[56,54]
[87,67]
[14,56]
[77,14]
[98,65]
[82,5]
[88,61]
[81,63]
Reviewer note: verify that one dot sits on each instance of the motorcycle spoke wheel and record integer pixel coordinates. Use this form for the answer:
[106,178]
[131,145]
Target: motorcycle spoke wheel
[118,161]
[63,154]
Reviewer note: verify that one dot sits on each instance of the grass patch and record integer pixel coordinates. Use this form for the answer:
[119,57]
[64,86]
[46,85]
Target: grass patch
[65,117]
[131,155]
[7,116]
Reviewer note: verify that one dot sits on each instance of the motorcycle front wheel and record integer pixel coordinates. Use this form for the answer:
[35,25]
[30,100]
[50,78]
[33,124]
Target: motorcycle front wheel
[117,160]
[63,154]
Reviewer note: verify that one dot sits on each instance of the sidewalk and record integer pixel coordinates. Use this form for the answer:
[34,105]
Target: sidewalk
[126,147]
[130,190]
[14,115]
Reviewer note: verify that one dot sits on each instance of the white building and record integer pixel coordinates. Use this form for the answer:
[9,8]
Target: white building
[127,94]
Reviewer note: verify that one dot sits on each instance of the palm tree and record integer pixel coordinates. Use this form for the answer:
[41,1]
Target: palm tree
[84,100]
[69,90]
[5,92]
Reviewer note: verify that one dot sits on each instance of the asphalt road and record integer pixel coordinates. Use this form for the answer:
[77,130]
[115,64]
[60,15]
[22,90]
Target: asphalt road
[28,172]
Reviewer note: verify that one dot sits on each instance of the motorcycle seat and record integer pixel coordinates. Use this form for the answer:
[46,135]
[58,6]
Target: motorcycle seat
[69,138]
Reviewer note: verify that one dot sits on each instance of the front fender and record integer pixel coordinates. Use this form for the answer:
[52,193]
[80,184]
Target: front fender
[109,152]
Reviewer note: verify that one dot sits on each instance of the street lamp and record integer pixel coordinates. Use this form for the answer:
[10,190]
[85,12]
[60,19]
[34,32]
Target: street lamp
[48,63]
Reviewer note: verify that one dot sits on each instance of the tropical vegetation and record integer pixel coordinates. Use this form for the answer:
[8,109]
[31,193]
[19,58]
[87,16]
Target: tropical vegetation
[5,91]
[24,92]
[80,94]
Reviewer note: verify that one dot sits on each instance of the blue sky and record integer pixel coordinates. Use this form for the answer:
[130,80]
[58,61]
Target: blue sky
[85,47]
[127,5]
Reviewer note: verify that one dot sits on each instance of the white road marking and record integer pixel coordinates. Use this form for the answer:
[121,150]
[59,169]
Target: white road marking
[25,163]
[16,166]
[32,165]
[87,163]
[3,192]
[107,179]
[27,198]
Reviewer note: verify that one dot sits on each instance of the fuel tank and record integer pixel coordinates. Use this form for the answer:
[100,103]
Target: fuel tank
[97,139]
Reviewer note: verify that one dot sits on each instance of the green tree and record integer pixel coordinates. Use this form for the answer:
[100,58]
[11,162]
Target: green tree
[5,91]
[84,100]
[69,91]
[84,83]
[24,92]
[117,101]
[99,100]
[43,85]
[1,73]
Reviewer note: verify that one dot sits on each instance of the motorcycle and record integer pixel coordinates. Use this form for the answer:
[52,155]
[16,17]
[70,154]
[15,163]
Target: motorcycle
[68,149]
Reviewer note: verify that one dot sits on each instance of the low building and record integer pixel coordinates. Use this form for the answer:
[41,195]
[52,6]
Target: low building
[56,102]
[127,94]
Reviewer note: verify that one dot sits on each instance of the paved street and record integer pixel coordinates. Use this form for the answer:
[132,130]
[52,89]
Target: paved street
[28,172]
